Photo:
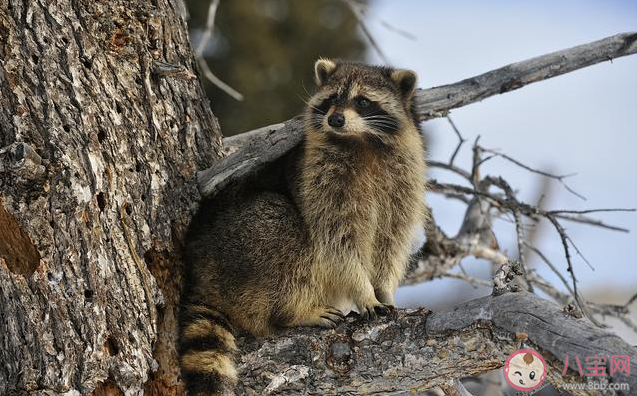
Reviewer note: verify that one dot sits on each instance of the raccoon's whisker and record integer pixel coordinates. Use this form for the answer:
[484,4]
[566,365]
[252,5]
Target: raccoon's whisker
[379,113]
[381,124]
[311,106]
[382,121]
[378,118]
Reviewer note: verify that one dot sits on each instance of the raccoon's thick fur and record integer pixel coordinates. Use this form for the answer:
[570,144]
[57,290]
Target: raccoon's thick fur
[326,228]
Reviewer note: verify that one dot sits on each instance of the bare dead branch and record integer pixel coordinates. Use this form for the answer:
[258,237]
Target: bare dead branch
[410,349]
[436,102]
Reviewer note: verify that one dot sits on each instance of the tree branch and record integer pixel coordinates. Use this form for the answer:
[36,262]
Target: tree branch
[436,102]
[418,350]
[269,143]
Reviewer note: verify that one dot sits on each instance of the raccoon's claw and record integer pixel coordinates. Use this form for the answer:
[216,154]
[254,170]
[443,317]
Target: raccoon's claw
[384,309]
[368,313]
[335,311]
[331,317]
[374,311]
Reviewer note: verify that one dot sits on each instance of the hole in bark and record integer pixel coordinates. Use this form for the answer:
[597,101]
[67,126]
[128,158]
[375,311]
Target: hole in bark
[107,388]
[118,108]
[138,81]
[129,211]
[16,247]
[138,166]
[86,62]
[101,135]
[66,128]
[111,346]
[35,59]
[101,201]
[65,40]
[46,40]
[143,197]
[88,295]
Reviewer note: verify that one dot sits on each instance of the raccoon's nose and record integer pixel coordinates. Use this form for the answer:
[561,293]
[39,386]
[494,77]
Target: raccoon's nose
[336,120]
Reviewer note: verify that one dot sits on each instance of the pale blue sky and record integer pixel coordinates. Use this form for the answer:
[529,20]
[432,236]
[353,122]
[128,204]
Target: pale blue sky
[583,122]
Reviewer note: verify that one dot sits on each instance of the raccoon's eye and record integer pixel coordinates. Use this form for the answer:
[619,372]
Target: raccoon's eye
[332,99]
[363,102]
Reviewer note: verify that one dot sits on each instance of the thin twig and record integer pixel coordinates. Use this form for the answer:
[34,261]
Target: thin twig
[449,167]
[461,140]
[552,267]
[559,178]
[216,81]
[593,222]
[359,14]
[396,30]
[561,211]
[205,37]
[472,280]
[631,300]
[564,238]
[207,33]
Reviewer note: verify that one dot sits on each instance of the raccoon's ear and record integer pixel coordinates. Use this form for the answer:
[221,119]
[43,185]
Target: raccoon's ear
[405,80]
[323,69]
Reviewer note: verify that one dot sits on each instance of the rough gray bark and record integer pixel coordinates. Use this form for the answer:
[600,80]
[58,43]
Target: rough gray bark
[415,350]
[97,157]
[248,152]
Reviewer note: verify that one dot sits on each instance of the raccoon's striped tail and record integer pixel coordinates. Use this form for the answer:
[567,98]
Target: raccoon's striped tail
[206,350]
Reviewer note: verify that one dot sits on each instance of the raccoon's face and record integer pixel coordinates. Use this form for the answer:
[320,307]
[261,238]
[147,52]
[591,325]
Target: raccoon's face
[361,102]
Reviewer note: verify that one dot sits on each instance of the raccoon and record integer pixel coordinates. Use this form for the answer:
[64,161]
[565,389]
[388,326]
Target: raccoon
[326,229]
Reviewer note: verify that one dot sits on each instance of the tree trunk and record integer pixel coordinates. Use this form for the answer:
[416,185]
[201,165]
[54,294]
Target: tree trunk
[98,149]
